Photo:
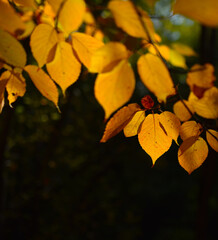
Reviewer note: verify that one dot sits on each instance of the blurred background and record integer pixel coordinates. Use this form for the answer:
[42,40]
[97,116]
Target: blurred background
[57,181]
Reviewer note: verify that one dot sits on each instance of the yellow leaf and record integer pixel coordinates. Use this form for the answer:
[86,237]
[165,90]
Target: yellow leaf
[3,82]
[181,111]
[200,10]
[85,46]
[43,39]
[71,15]
[127,18]
[183,49]
[26,3]
[10,20]
[43,83]
[155,76]
[192,153]
[152,137]
[132,128]
[190,129]
[213,142]
[177,60]
[171,124]
[65,68]
[163,49]
[30,25]
[115,88]
[119,121]
[106,57]
[55,4]
[11,51]
[207,106]
[16,87]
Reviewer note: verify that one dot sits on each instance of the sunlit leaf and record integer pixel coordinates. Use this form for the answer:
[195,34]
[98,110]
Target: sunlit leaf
[106,57]
[213,142]
[190,129]
[119,121]
[203,11]
[55,4]
[192,153]
[43,39]
[43,83]
[65,68]
[132,128]
[85,46]
[11,51]
[3,82]
[115,88]
[152,137]
[183,49]
[26,3]
[176,59]
[155,76]
[181,111]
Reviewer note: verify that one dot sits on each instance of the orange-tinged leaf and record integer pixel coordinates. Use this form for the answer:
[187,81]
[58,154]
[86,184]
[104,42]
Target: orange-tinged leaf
[152,137]
[106,57]
[163,49]
[192,153]
[71,15]
[127,18]
[3,82]
[183,49]
[43,39]
[11,51]
[85,46]
[132,128]
[10,20]
[213,142]
[26,3]
[65,68]
[207,106]
[155,76]
[55,4]
[190,129]
[181,111]
[171,124]
[115,88]
[43,83]
[203,11]
[119,121]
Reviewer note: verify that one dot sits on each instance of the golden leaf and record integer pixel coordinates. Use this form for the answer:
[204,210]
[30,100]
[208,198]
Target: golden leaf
[115,88]
[106,57]
[3,82]
[192,153]
[183,49]
[155,76]
[43,39]
[176,59]
[181,111]
[200,10]
[65,68]
[26,3]
[152,137]
[55,4]
[190,129]
[11,51]
[85,46]
[132,128]
[212,140]
[119,121]
[43,83]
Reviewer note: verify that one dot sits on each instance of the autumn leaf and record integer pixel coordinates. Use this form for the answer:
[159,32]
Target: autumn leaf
[132,128]
[155,76]
[85,46]
[119,121]
[43,39]
[65,68]
[190,129]
[176,59]
[26,3]
[3,82]
[43,83]
[183,49]
[115,88]
[203,11]
[55,4]
[153,138]
[213,142]
[181,111]
[11,51]
[192,153]
[107,56]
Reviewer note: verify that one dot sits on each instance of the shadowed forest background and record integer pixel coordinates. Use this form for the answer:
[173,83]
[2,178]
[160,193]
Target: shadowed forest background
[59,182]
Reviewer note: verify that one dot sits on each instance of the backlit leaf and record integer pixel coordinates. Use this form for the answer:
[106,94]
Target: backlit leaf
[203,11]
[65,68]
[43,83]
[190,129]
[3,82]
[213,142]
[43,39]
[181,111]
[85,46]
[55,4]
[176,59]
[155,76]
[26,3]
[119,121]
[132,128]
[115,88]
[153,138]
[192,153]
[183,49]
